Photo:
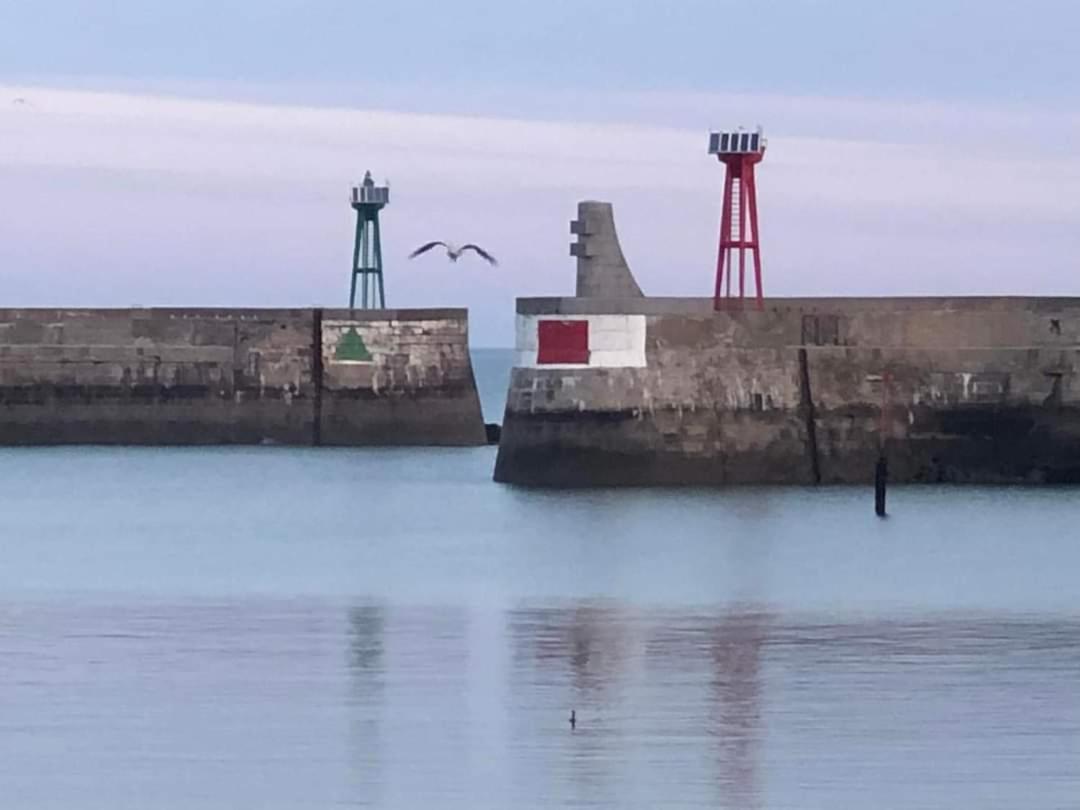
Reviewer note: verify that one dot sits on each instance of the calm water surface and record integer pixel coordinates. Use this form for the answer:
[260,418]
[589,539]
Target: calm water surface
[281,628]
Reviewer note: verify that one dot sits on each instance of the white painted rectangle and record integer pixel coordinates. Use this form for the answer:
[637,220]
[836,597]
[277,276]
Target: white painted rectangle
[615,341]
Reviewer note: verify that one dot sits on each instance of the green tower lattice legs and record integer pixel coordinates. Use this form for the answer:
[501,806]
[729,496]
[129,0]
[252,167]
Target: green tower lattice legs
[367,262]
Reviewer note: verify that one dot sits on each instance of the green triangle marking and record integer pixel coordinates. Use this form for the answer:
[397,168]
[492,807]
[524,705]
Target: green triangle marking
[351,348]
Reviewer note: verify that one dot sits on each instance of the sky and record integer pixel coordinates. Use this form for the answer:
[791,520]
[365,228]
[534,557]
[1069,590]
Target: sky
[202,153]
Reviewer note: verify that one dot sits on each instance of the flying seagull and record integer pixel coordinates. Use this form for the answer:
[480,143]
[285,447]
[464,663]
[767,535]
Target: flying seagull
[454,252]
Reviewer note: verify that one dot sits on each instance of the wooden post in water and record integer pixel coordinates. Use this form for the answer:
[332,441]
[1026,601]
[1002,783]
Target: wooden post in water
[881,469]
[881,478]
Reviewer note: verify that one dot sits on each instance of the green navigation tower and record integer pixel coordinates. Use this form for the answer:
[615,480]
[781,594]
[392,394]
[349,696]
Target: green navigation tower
[367,200]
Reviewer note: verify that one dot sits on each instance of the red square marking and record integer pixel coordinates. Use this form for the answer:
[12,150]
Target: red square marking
[563,342]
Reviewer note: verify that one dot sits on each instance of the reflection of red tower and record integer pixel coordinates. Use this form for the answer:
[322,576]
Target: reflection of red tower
[738,640]
[739,152]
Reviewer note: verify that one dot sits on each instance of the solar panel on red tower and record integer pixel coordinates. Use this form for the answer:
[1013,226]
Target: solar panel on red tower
[562,342]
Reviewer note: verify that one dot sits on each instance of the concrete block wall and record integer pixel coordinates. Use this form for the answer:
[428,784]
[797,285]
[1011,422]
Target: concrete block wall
[224,376]
[416,371]
[155,376]
[806,391]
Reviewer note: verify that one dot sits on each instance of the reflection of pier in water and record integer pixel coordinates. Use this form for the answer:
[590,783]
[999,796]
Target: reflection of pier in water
[591,656]
[367,667]
[690,706]
[725,652]
[567,658]
[412,726]
[737,641]
[588,642]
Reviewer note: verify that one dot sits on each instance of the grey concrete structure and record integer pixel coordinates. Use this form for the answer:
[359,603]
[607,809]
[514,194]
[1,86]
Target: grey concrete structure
[602,271]
[225,376]
[806,391]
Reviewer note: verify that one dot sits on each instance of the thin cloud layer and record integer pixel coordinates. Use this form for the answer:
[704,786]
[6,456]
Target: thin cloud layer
[121,199]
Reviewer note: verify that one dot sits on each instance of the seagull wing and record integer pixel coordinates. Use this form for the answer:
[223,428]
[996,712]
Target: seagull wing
[425,248]
[481,251]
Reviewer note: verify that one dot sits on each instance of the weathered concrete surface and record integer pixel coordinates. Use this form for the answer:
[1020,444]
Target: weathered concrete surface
[217,376]
[602,271]
[958,389]
[419,377]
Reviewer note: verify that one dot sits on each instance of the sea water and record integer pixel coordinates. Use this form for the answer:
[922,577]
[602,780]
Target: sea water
[301,628]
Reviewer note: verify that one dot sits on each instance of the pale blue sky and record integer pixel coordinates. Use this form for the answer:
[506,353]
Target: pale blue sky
[201,152]
[998,50]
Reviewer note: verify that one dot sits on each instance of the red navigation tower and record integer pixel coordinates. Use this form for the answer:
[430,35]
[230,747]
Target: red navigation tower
[739,152]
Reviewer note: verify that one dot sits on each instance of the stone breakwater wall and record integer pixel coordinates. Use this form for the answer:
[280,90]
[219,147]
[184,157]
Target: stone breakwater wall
[667,391]
[237,376]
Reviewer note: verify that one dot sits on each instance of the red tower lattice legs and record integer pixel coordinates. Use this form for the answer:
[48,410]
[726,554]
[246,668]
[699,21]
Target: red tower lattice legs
[740,152]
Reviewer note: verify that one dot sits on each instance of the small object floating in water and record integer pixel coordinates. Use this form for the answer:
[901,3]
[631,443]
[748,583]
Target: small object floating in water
[573,719]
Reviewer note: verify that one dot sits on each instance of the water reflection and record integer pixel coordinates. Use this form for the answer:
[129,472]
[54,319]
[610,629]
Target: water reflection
[585,642]
[721,655]
[411,719]
[282,704]
[567,658]
[367,668]
[735,707]
[737,644]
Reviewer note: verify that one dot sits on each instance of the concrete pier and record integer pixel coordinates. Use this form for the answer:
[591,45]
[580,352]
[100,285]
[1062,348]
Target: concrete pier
[237,376]
[673,392]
